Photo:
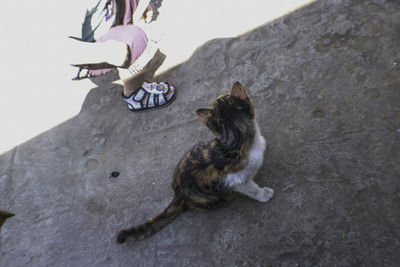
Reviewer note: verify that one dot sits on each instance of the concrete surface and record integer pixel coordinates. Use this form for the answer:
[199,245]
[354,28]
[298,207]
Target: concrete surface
[325,81]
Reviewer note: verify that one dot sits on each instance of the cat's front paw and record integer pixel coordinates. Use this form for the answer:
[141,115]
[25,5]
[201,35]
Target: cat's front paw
[265,194]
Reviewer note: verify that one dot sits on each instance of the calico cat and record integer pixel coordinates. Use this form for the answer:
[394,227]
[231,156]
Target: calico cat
[209,173]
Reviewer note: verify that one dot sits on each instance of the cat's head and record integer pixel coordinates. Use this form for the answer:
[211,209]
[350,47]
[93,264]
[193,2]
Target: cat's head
[232,111]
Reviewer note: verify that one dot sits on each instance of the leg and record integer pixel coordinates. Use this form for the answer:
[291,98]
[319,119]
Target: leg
[110,51]
[138,94]
[252,190]
[120,46]
[132,83]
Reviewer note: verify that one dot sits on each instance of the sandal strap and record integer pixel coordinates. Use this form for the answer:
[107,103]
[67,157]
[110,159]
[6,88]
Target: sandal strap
[134,105]
[151,101]
[135,100]
[140,94]
[156,88]
[161,99]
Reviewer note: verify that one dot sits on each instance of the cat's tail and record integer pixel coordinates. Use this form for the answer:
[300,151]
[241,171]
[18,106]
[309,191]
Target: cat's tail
[155,224]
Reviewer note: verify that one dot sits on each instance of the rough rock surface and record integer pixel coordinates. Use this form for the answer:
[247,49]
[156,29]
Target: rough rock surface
[325,81]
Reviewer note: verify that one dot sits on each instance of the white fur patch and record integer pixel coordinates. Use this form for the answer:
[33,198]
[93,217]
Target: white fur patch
[253,163]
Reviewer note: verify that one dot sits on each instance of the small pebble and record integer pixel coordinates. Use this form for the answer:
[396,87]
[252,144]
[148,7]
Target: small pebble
[288,187]
[114,174]
[317,112]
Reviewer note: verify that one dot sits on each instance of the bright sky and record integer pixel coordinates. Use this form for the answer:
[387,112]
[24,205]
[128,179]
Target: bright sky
[37,92]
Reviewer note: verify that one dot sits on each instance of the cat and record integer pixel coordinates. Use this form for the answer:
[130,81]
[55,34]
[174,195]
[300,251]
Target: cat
[210,173]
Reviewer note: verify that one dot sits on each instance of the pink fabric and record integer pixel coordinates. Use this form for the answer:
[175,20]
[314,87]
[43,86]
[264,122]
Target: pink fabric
[132,35]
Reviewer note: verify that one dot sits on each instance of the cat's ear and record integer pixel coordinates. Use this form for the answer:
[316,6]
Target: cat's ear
[239,91]
[204,114]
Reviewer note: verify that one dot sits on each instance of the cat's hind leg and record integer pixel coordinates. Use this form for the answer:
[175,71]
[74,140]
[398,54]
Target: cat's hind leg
[204,204]
[252,190]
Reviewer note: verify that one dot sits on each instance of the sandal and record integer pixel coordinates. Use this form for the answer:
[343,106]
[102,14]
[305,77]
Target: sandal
[87,70]
[79,76]
[150,96]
